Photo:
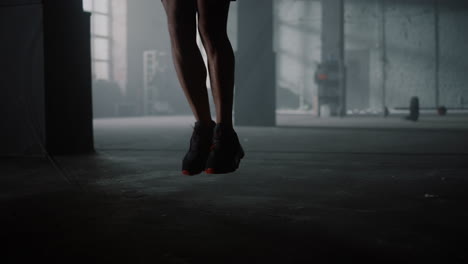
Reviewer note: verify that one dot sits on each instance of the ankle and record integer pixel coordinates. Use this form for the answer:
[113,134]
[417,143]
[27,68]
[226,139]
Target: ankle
[207,123]
[225,126]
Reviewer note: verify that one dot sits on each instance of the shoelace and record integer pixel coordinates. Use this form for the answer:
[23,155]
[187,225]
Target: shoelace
[218,140]
[197,140]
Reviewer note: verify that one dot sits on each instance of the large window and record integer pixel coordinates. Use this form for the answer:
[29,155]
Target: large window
[100,37]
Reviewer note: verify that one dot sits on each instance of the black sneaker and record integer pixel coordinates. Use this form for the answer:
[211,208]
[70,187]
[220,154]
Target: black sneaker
[195,159]
[226,151]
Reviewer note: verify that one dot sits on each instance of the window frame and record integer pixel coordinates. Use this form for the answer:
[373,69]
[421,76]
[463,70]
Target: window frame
[90,6]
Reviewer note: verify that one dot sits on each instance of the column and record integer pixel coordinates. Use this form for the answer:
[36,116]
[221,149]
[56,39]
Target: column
[255,93]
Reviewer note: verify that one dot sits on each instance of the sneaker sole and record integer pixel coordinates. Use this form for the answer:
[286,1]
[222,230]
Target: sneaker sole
[236,166]
[189,173]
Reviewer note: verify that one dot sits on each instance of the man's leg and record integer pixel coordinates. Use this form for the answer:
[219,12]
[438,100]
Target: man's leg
[212,25]
[188,61]
[226,152]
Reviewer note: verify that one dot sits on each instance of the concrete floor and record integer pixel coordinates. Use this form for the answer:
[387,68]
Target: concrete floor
[353,190]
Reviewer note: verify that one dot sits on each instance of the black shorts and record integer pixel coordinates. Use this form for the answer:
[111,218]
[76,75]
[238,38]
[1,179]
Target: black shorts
[231,0]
